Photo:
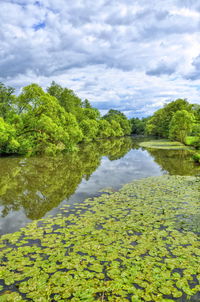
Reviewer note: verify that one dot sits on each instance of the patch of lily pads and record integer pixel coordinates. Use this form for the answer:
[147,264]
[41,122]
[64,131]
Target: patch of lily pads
[164,144]
[139,244]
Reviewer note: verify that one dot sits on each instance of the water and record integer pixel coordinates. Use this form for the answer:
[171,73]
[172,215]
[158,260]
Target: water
[32,188]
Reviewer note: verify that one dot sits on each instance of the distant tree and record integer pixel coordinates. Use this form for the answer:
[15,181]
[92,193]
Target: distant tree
[86,104]
[181,125]
[138,125]
[121,119]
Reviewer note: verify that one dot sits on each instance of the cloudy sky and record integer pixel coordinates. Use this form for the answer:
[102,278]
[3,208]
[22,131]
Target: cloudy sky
[130,55]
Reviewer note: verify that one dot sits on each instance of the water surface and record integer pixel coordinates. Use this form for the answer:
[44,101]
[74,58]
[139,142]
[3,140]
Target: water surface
[32,188]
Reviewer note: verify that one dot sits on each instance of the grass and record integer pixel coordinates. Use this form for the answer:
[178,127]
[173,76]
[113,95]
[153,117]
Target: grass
[164,144]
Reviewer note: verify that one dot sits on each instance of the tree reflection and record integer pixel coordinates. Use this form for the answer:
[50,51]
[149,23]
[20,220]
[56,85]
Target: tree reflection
[38,184]
[175,162]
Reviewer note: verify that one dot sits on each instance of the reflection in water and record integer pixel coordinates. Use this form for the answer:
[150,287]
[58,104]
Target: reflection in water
[31,187]
[175,162]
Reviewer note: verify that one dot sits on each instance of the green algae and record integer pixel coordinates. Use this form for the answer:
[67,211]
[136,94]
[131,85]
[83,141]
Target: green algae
[138,244]
[164,144]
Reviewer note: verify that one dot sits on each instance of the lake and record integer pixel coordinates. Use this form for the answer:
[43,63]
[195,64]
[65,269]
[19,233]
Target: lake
[32,188]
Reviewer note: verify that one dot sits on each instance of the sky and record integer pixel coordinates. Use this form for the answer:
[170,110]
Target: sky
[130,55]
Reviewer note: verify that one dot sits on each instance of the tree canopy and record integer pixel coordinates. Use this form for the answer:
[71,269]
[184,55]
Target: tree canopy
[36,122]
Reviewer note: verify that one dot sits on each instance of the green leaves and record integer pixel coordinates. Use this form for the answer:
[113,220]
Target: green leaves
[140,255]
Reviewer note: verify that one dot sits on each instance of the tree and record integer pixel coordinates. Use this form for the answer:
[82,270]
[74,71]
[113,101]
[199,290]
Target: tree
[138,125]
[66,98]
[121,119]
[105,129]
[89,129]
[45,126]
[86,104]
[159,123]
[181,125]
[6,100]
[8,141]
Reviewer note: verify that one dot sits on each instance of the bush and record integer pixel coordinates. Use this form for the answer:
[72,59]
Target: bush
[196,157]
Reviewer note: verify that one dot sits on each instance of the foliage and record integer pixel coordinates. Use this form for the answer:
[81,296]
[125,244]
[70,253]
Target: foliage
[6,100]
[46,127]
[196,157]
[191,140]
[119,121]
[8,142]
[138,125]
[37,122]
[128,245]
[105,129]
[159,123]
[181,125]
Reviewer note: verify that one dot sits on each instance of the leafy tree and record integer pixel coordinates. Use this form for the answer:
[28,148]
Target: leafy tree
[46,127]
[117,130]
[29,98]
[121,119]
[105,129]
[6,100]
[138,125]
[159,123]
[91,113]
[8,141]
[86,104]
[89,129]
[66,98]
[181,125]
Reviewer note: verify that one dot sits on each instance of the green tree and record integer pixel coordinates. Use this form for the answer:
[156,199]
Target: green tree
[121,119]
[8,141]
[181,125]
[138,125]
[159,123]
[66,98]
[89,129]
[6,100]
[86,104]
[105,129]
[45,127]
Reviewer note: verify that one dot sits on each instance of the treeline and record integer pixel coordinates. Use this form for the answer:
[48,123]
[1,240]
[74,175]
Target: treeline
[177,121]
[39,122]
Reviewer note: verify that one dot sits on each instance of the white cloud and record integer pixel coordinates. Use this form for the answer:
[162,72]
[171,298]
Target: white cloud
[132,57]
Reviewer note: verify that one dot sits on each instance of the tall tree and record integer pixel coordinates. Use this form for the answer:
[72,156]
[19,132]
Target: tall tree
[159,123]
[181,125]
[6,100]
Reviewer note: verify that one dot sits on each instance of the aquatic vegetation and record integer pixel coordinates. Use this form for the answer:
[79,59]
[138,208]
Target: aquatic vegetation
[138,244]
[164,144]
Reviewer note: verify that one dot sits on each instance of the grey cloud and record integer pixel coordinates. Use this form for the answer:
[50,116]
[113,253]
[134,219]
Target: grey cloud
[161,69]
[122,42]
[195,75]
[190,4]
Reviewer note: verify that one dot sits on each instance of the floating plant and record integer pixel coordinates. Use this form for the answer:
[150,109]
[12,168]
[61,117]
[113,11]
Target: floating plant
[138,244]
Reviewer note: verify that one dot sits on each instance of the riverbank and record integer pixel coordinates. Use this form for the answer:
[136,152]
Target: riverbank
[131,245]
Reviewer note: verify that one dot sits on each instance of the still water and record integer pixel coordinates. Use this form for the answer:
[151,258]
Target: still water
[32,188]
